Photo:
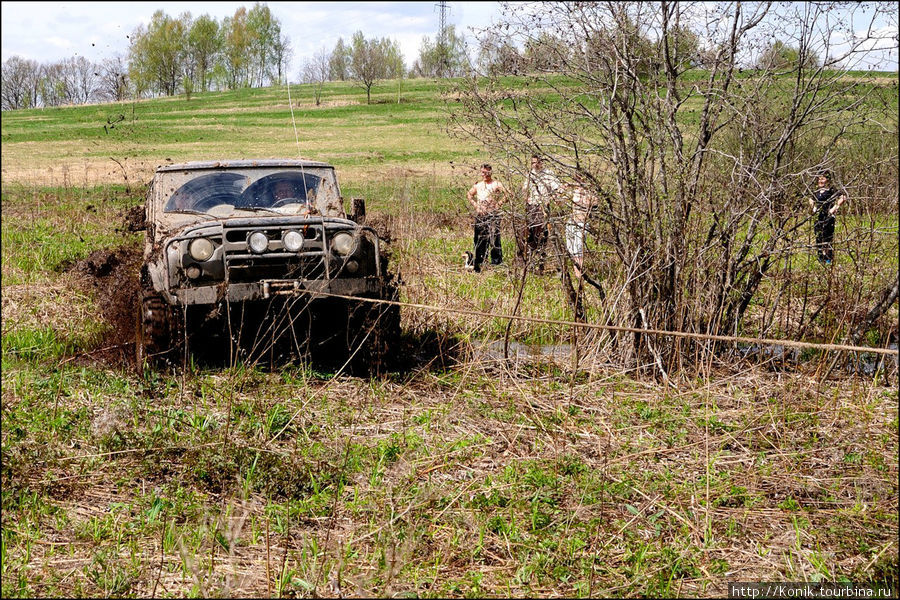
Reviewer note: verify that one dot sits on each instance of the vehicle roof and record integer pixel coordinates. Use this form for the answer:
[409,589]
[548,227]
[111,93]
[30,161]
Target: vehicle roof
[243,164]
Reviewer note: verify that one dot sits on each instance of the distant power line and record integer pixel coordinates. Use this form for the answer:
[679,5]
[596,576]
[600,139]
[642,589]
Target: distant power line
[442,37]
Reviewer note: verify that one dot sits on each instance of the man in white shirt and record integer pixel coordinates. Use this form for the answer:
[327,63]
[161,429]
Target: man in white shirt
[541,186]
[486,197]
[576,225]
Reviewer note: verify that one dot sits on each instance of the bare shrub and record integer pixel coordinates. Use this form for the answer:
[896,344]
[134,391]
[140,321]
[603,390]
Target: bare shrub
[702,175]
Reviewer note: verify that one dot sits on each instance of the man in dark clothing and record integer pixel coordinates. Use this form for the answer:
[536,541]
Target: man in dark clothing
[825,202]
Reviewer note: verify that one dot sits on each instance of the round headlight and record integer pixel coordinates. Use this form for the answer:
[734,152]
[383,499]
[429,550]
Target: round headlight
[258,242]
[343,243]
[201,249]
[292,240]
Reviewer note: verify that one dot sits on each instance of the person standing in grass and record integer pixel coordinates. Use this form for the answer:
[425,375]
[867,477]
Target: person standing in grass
[825,202]
[541,186]
[486,197]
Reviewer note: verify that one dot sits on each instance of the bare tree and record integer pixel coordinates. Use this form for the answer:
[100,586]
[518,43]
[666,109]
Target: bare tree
[282,52]
[80,76]
[701,175]
[315,72]
[371,60]
[20,83]
[52,85]
[112,83]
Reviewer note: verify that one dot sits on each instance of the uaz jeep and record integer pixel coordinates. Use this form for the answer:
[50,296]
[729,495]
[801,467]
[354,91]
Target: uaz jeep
[259,255]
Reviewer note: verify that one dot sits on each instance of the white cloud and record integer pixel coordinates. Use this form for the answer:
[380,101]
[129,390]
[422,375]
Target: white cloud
[66,28]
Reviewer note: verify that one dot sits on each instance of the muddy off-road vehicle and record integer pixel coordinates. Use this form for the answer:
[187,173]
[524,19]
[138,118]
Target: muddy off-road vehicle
[247,258]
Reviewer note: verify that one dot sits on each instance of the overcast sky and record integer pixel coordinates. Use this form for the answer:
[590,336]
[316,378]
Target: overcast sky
[51,31]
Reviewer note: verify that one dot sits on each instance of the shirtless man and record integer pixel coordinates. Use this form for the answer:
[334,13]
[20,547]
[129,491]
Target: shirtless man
[486,197]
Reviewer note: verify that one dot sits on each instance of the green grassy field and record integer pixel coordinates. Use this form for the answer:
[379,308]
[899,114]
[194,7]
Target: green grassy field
[364,141]
[464,475]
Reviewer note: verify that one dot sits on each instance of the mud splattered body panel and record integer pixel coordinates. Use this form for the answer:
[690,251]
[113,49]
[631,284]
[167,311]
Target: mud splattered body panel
[250,230]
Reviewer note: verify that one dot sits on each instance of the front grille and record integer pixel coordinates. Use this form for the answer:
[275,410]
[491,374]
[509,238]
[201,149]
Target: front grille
[241,265]
[244,269]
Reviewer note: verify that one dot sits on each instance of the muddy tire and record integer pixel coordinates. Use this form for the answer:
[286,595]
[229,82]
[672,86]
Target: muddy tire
[374,328]
[154,337]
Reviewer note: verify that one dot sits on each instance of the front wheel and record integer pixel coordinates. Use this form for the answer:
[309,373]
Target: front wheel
[373,333]
[154,339]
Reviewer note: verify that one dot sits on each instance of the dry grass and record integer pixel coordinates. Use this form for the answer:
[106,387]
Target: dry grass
[753,476]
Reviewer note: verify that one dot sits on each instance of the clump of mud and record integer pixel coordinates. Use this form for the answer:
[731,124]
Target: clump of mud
[112,276]
[383,225]
[134,219]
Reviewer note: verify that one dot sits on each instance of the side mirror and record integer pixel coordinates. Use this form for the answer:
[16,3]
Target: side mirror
[359,211]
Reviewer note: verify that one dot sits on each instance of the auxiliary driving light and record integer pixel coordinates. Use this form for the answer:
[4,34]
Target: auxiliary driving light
[292,240]
[201,249]
[343,243]
[258,242]
[193,272]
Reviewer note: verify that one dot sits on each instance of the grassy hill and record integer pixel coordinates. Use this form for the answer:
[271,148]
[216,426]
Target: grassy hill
[362,140]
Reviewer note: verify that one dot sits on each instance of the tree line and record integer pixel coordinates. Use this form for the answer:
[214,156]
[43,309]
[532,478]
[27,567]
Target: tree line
[168,56]
[183,54]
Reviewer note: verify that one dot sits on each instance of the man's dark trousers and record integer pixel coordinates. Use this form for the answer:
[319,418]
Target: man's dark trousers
[824,229]
[487,235]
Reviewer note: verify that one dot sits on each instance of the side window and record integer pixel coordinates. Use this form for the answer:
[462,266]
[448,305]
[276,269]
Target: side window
[206,191]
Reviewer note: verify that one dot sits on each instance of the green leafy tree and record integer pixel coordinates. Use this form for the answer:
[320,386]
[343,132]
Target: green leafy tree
[263,36]
[139,61]
[681,48]
[546,53]
[157,54]
[339,62]
[236,49]
[781,56]
[497,56]
[373,60]
[204,46]
[445,57]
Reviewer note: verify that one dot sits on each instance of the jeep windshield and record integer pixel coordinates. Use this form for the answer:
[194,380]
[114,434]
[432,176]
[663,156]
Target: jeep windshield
[223,193]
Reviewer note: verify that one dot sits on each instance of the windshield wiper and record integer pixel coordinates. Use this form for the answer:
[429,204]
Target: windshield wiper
[258,208]
[188,211]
